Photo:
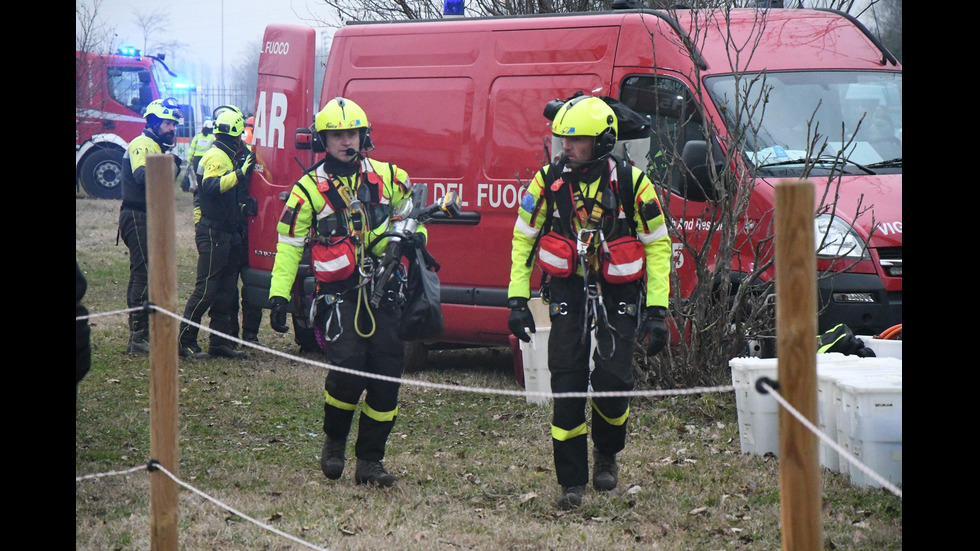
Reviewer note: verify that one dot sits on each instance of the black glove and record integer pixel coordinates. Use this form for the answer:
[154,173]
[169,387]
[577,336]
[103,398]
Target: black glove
[655,329]
[277,318]
[520,317]
[178,161]
[185,184]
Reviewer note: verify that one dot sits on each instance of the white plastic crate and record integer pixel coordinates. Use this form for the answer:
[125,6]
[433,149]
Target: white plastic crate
[828,395]
[537,376]
[758,414]
[888,369]
[534,354]
[870,413]
[884,348]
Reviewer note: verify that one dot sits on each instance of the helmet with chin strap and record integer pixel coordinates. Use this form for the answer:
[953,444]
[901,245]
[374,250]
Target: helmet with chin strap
[343,114]
[588,116]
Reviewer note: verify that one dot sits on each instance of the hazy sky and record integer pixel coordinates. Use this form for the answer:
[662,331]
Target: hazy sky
[197,24]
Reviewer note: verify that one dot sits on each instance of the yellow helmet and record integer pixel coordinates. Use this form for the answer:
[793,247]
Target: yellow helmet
[340,114]
[221,108]
[163,109]
[588,116]
[229,121]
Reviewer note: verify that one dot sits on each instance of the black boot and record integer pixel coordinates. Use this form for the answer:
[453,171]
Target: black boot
[332,457]
[373,472]
[571,497]
[226,351]
[139,337]
[605,471]
[139,344]
[191,351]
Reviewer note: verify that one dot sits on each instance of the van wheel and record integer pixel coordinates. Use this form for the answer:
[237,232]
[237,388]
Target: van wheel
[102,174]
[416,356]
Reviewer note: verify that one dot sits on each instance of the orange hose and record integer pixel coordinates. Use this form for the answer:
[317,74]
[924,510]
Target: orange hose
[891,333]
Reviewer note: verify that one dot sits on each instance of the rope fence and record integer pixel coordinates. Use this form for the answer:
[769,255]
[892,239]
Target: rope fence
[765,384]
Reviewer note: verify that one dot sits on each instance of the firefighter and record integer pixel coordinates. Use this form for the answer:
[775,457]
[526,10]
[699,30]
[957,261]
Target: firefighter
[162,117]
[199,146]
[597,229]
[249,127]
[336,214]
[226,168]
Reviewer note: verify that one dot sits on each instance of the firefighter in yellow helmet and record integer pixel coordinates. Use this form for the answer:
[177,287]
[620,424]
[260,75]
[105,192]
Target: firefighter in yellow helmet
[335,214]
[595,226]
[226,168]
[162,117]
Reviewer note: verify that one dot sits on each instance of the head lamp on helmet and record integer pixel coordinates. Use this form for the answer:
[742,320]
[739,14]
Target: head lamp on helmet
[163,109]
[229,121]
[588,116]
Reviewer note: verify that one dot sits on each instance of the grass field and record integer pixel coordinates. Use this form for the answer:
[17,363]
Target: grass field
[475,469]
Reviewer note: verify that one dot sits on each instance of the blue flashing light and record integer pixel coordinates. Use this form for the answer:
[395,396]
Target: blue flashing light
[184,86]
[453,7]
[129,51]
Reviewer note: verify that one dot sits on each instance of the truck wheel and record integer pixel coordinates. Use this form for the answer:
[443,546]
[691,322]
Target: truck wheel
[102,174]
[416,355]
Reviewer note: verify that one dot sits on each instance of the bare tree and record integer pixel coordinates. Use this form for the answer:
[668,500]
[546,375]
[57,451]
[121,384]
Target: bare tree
[153,26]
[93,37]
[888,20]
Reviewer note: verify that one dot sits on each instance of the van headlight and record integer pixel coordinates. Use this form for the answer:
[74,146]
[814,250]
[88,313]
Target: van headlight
[835,238]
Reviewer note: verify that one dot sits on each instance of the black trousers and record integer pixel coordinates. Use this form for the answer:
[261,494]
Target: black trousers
[381,353]
[216,288]
[251,314]
[132,229]
[568,361]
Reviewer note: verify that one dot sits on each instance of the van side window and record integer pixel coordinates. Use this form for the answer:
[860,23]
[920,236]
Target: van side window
[675,119]
[124,87]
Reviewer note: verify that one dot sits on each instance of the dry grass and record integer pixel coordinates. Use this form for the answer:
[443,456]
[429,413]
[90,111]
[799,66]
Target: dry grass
[476,470]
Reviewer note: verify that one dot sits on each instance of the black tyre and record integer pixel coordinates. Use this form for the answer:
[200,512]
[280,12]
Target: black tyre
[102,174]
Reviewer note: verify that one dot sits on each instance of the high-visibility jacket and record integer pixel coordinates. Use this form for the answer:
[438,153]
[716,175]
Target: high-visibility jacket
[134,168]
[222,194]
[312,200]
[198,147]
[651,232]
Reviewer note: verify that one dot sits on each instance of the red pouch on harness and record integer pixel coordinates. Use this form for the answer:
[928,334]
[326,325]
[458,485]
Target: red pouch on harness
[333,262]
[623,260]
[557,255]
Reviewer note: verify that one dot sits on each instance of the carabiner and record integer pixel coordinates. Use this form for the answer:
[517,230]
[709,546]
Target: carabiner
[583,244]
[332,302]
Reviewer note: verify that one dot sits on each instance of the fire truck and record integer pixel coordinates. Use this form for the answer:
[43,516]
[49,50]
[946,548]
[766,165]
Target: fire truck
[111,91]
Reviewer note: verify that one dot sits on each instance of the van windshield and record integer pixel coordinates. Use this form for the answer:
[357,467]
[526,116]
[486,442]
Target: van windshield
[788,119]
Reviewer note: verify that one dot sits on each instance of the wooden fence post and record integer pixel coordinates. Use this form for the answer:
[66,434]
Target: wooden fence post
[796,333]
[162,265]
